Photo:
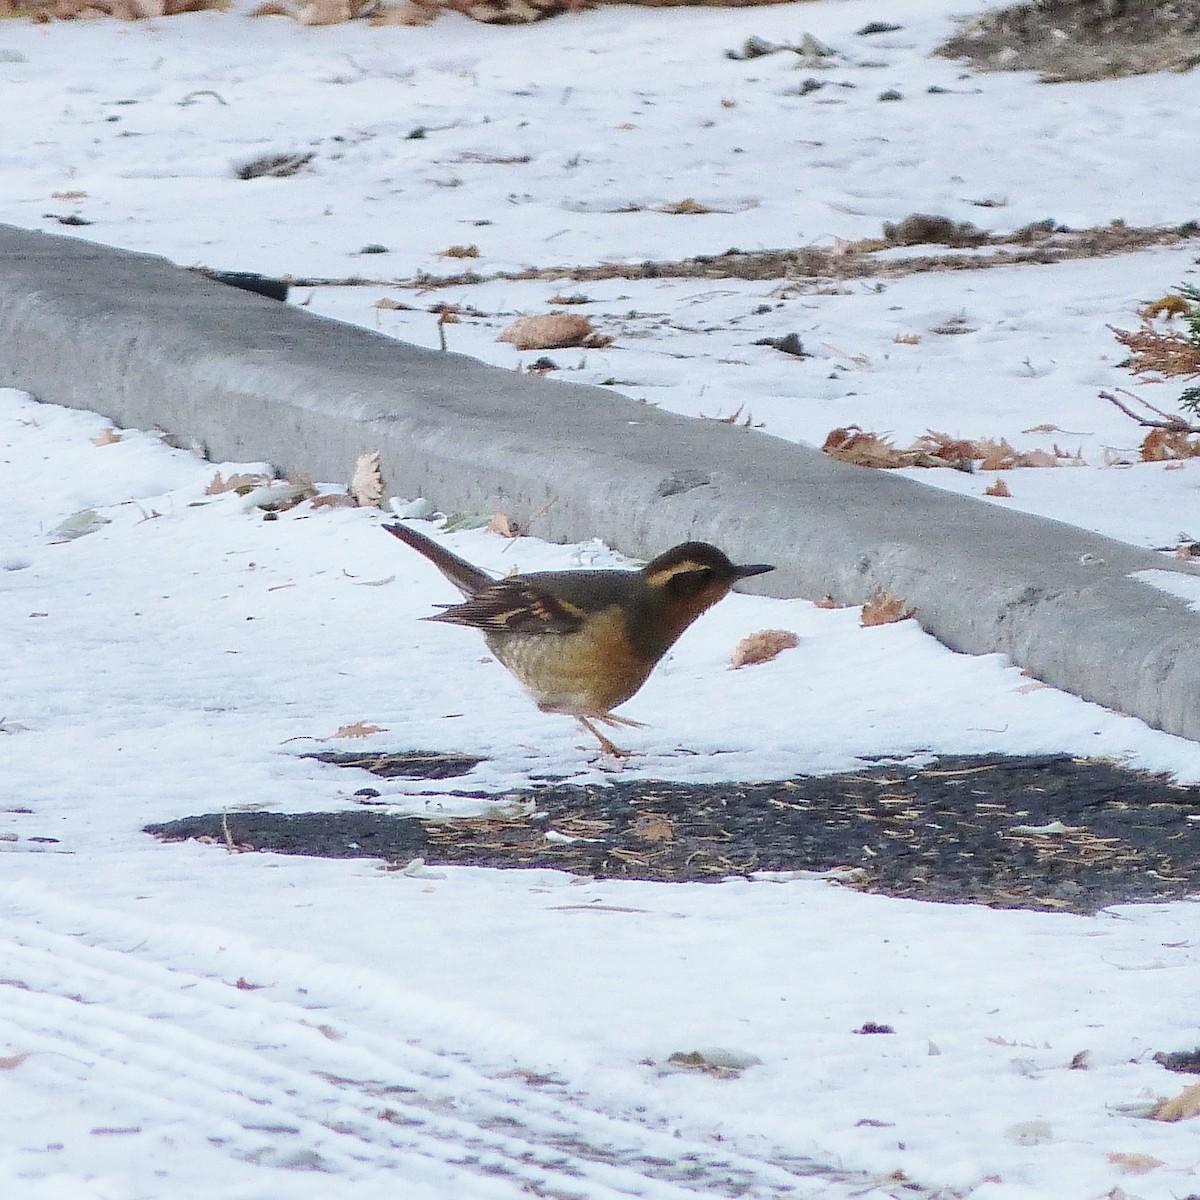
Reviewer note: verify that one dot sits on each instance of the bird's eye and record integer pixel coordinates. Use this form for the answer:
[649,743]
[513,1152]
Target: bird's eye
[689,583]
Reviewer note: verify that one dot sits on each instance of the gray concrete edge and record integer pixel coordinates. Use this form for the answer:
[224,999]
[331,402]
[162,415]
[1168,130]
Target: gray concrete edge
[151,345]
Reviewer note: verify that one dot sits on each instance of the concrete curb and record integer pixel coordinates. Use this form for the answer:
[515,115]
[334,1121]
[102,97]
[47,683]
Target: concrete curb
[149,344]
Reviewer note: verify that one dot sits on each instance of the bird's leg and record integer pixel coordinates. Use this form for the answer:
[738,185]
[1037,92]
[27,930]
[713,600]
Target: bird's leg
[606,745]
[613,720]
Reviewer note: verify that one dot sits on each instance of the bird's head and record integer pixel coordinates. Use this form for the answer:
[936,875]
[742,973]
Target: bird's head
[688,579]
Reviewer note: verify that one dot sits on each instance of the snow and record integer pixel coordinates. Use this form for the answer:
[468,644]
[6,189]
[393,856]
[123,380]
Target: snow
[200,1023]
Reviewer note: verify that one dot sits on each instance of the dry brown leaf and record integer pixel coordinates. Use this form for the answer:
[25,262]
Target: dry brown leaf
[687,208]
[334,500]
[762,646]
[853,445]
[11,1061]
[106,437]
[735,418]
[884,609]
[499,523]
[944,446]
[325,12]
[408,14]
[548,332]
[510,12]
[654,829]
[358,729]
[1159,445]
[238,482]
[999,488]
[907,339]
[1133,1164]
[996,455]
[366,485]
[1179,1108]
[828,602]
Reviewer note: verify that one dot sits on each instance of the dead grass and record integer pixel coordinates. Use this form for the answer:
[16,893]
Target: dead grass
[1082,40]
[813,268]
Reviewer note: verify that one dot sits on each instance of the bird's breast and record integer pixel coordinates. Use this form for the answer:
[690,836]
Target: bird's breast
[586,672]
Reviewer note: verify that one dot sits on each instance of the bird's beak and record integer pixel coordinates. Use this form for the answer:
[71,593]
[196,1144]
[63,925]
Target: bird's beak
[744,572]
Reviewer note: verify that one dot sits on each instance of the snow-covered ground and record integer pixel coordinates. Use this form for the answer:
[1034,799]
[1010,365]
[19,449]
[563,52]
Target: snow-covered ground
[180,1021]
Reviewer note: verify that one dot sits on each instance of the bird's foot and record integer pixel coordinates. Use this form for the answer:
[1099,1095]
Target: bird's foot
[606,744]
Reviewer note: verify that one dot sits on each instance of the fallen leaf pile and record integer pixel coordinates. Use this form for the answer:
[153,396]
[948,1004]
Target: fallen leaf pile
[1161,445]
[862,448]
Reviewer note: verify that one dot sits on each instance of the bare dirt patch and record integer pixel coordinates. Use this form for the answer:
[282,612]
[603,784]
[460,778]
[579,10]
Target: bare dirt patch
[1082,39]
[1048,832]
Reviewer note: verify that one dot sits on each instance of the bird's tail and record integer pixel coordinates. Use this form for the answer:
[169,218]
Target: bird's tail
[465,576]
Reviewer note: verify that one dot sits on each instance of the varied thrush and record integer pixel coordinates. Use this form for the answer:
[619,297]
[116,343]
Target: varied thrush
[582,642]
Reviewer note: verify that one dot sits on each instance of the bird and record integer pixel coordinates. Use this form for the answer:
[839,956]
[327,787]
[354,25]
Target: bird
[582,642]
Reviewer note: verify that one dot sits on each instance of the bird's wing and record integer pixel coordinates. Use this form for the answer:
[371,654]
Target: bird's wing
[514,606]
[465,576]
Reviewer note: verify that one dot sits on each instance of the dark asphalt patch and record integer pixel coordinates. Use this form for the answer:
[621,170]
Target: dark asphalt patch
[1047,832]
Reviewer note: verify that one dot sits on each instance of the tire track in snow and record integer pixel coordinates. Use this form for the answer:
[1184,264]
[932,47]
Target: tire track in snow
[147,1022]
